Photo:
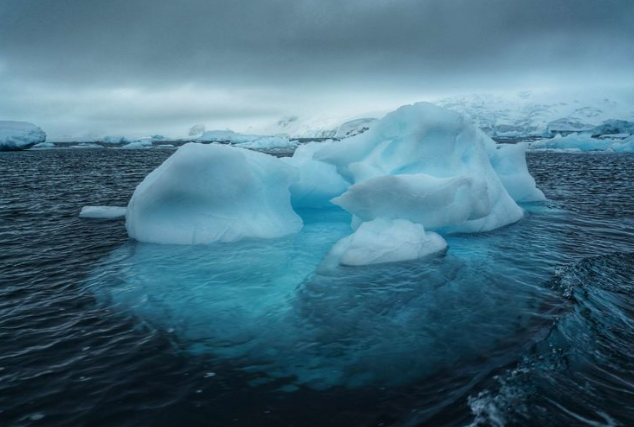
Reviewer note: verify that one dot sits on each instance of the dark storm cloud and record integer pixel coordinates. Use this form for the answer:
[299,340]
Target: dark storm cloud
[308,47]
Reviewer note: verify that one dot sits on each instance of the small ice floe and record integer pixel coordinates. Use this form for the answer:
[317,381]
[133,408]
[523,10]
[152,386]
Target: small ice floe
[44,145]
[103,212]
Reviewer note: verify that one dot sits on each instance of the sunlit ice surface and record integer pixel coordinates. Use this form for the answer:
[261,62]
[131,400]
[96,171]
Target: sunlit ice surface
[279,308]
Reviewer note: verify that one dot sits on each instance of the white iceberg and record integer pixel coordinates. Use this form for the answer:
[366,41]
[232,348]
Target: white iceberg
[246,141]
[624,146]
[583,142]
[139,144]
[420,169]
[103,212]
[382,241]
[19,135]
[207,193]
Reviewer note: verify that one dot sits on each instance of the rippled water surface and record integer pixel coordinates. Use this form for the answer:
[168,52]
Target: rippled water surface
[532,324]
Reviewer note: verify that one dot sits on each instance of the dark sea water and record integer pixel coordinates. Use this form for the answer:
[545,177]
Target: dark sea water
[530,325]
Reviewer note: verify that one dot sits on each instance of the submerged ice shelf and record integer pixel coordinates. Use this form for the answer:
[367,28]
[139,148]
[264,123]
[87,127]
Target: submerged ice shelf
[284,310]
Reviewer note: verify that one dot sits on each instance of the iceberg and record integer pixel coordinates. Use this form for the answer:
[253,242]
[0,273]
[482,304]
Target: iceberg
[19,135]
[246,141]
[207,193]
[419,171]
[141,143]
[102,212]
[625,146]
[584,142]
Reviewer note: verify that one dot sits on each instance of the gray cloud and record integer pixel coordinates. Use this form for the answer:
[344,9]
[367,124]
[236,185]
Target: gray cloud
[266,58]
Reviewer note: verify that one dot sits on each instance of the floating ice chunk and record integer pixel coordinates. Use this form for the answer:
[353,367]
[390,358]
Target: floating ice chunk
[625,146]
[420,198]
[318,181]
[509,162]
[103,212]
[19,135]
[247,141]
[86,146]
[381,241]
[139,144]
[43,145]
[583,142]
[430,142]
[136,145]
[209,193]
[267,142]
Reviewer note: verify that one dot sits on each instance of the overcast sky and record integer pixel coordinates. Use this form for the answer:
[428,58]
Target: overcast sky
[140,66]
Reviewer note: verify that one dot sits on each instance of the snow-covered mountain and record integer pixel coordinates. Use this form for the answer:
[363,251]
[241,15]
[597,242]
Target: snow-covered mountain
[528,113]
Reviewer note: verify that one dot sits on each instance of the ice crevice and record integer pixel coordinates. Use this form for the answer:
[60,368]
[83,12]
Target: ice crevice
[418,174]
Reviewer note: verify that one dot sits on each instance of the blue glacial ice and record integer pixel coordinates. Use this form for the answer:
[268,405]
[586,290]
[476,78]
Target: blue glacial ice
[421,164]
[282,311]
[318,182]
[103,212]
[247,141]
[578,142]
[213,193]
[19,135]
[259,269]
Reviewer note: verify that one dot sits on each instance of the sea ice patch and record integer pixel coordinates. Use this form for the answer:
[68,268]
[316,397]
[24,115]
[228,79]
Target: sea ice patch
[103,212]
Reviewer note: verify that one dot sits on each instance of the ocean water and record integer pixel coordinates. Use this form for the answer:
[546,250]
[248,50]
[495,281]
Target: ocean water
[529,325]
